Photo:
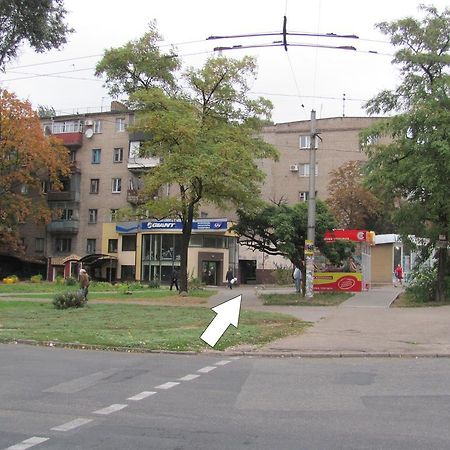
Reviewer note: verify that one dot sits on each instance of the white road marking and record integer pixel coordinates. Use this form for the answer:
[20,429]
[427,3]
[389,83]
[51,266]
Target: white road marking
[141,396]
[110,409]
[222,363]
[189,377]
[167,385]
[28,443]
[206,369]
[72,424]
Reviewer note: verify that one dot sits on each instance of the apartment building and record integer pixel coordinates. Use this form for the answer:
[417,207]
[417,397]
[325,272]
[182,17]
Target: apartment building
[106,176]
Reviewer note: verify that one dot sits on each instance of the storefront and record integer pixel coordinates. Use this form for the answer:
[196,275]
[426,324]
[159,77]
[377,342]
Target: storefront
[150,250]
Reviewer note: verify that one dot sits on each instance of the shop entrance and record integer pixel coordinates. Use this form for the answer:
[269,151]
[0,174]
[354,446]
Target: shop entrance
[209,272]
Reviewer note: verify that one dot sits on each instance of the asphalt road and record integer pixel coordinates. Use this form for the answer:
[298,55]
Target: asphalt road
[72,399]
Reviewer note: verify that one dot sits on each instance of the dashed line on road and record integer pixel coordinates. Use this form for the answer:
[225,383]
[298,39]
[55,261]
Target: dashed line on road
[189,377]
[72,424]
[141,396]
[168,385]
[110,409]
[222,363]
[207,369]
[28,443]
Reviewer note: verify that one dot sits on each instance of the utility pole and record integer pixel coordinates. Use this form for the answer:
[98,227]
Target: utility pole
[311,234]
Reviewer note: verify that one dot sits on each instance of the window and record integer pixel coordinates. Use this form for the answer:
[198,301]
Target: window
[304,142]
[303,170]
[96,155]
[112,245]
[127,273]
[133,151]
[73,155]
[91,245]
[63,245]
[67,214]
[120,124]
[129,243]
[116,185]
[97,126]
[44,186]
[95,185]
[93,214]
[69,126]
[113,214]
[304,196]
[39,244]
[118,155]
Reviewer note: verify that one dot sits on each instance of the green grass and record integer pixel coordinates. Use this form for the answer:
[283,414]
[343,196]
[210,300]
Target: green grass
[322,299]
[146,327]
[406,300]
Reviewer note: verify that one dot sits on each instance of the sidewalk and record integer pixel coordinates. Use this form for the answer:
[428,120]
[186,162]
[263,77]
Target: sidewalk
[364,325]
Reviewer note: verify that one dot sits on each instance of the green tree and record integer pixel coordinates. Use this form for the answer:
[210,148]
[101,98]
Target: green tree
[279,229]
[409,154]
[27,158]
[137,65]
[206,136]
[39,22]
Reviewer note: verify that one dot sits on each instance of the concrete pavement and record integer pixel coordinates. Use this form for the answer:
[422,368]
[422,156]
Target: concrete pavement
[364,325]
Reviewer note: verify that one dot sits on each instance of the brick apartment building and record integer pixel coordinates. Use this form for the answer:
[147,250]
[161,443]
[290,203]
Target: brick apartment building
[106,177]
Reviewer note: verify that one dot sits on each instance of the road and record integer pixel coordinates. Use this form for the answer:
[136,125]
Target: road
[77,399]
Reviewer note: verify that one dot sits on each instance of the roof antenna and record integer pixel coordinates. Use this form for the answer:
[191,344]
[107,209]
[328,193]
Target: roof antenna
[343,104]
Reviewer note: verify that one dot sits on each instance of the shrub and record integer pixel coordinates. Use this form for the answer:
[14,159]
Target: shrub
[195,283]
[154,284]
[422,284]
[11,279]
[59,279]
[283,275]
[71,281]
[36,278]
[71,299]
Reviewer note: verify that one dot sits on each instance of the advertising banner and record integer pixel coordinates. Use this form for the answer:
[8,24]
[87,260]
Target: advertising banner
[338,281]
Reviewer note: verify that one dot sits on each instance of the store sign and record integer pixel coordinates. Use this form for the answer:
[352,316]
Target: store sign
[346,235]
[197,225]
[337,281]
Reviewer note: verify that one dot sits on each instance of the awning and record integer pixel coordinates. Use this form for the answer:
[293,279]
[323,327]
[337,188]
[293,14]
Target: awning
[96,258]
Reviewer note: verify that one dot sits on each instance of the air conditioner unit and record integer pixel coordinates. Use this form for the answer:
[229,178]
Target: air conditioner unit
[293,168]
[89,123]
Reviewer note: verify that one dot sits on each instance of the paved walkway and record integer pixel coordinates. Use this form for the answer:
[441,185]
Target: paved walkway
[364,325]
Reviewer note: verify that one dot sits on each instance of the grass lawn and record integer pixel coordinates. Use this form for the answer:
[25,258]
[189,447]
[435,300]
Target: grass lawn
[322,299]
[175,328]
[406,300]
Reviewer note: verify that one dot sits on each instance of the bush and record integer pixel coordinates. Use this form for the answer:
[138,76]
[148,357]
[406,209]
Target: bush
[71,281]
[59,280]
[154,284]
[422,284]
[12,279]
[283,275]
[195,283]
[36,278]
[72,299]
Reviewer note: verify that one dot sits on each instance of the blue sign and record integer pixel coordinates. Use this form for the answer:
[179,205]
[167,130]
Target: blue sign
[197,225]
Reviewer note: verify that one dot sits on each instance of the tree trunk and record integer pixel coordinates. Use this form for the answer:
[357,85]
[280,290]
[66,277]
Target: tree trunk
[185,239]
[441,273]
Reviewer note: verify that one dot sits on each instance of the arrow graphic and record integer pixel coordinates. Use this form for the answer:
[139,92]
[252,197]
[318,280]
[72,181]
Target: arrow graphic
[227,314]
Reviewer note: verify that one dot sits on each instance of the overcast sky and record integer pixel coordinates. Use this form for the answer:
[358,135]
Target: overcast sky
[313,77]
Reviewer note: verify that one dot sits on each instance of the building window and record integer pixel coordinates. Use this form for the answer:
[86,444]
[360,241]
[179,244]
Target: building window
[304,142]
[63,245]
[96,155]
[112,245]
[118,155]
[44,186]
[66,214]
[91,245]
[97,126]
[94,186]
[304,196]
[73,155]
[133,151]
[303,170]
[116,185]
[120,124]
[129,243]
[113,214]
[127,273]
[39,244]
[93,214]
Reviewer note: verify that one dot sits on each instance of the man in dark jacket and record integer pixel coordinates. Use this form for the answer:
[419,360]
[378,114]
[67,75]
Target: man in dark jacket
[174,279]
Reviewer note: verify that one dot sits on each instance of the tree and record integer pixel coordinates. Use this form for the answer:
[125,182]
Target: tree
[353,205]
[279,229]
[411,165]
[39,22]
[27,158]
[138,65]
[206,136]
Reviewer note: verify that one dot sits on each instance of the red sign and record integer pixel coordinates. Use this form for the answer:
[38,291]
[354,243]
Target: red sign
[346,235]
[337,281]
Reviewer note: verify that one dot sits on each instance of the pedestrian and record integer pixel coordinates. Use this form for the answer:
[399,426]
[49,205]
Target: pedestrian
[297,276]
[174,279]
[84,283]
[398,274]
[229,277]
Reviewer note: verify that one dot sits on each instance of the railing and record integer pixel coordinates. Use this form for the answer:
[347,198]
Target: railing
[63,226]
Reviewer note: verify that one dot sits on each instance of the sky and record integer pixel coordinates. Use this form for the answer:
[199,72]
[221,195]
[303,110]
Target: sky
[296,81]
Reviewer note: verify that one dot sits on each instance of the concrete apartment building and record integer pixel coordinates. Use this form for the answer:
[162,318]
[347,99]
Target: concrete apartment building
[105,178]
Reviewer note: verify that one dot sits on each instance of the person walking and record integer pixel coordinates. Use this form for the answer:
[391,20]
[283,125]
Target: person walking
[297,276]
[398,273]
[84,283]
[174,279]
[229,277]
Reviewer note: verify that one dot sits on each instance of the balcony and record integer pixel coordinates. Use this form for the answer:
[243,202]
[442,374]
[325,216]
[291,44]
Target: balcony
[137,163]
[71,140]
[63,227]
[63,196]
[134,197]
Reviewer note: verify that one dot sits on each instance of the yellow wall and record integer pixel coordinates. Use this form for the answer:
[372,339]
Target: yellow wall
[382,263]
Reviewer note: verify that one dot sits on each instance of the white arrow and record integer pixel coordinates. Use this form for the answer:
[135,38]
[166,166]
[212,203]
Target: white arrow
[227,314]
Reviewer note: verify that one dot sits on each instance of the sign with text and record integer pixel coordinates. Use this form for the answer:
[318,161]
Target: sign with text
[337,281]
